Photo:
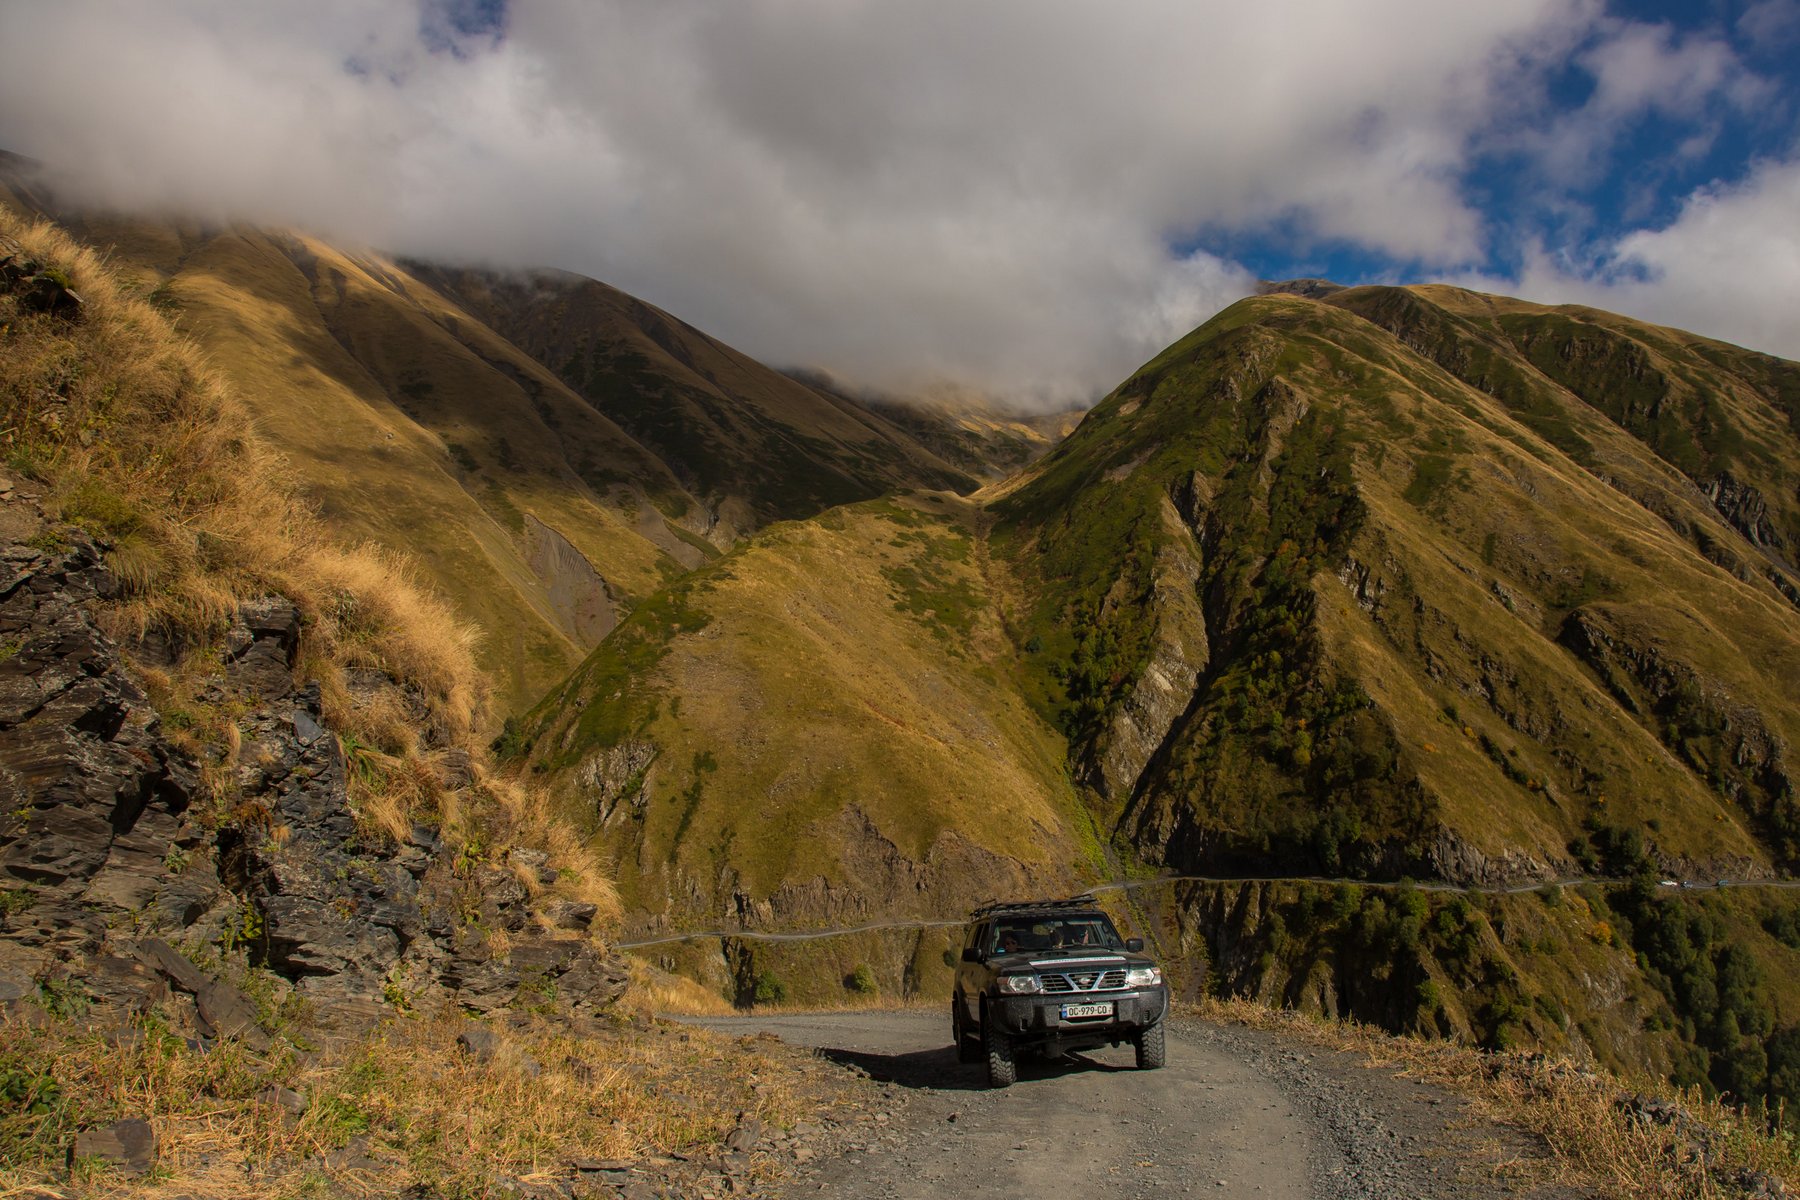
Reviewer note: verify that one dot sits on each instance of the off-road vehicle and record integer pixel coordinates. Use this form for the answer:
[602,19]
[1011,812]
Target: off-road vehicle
[1050,976]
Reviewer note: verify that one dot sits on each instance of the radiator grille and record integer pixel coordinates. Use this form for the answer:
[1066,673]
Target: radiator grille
[1084,981]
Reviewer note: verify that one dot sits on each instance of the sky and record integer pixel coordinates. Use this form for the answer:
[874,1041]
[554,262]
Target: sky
[1023,197]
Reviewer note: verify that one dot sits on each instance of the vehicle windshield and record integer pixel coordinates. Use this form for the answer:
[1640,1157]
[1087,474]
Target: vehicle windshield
[1087,931]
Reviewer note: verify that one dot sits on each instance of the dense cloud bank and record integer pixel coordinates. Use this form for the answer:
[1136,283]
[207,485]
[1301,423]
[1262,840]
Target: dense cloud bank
[1001,194]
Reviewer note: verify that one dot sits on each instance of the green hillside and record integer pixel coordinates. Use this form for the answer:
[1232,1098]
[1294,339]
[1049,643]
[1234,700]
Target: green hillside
[1322,605]
[822,728]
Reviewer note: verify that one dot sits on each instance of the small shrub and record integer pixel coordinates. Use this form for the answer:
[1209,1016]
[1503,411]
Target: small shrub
[861,981]
[768,989]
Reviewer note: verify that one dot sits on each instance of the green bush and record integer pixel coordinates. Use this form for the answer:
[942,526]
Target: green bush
[861,981]
[768,989]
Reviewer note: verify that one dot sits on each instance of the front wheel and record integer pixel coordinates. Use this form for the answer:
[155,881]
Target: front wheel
[968,1050]
[1002,1064]
[1151,1049]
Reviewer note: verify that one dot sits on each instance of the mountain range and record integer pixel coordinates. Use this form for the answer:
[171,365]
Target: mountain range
[1349,587]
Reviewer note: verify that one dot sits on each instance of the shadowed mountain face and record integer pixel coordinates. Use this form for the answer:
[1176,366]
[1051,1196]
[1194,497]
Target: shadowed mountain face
[754,444]
[971,431]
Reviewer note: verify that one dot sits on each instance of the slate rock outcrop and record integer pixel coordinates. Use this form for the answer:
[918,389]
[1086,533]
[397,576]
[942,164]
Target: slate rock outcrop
[93,801]
[112,853]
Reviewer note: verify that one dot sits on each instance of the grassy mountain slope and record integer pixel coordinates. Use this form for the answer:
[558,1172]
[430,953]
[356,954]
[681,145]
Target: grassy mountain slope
[822,727]
[755,444]
[416,425]
[1305,601]
[417,429]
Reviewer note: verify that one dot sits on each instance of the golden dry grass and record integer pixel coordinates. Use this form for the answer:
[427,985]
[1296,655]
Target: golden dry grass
[141,445]
[138,443]
[428,1114]
[1594,1142]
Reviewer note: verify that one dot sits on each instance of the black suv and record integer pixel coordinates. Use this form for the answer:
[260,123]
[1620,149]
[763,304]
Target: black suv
[1052,976]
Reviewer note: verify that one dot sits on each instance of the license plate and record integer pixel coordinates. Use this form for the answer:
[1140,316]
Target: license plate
[1071,1011]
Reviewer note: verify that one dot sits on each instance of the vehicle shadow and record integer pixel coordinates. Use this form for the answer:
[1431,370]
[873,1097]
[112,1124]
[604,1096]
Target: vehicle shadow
[938,1070]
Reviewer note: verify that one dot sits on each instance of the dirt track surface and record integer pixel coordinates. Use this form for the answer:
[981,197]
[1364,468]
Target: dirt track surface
[1236,1112]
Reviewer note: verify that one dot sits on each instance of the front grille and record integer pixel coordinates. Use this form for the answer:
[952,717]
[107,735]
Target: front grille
[1084,981]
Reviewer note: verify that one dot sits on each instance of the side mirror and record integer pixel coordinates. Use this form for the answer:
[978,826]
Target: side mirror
[1135,945]
[971,954]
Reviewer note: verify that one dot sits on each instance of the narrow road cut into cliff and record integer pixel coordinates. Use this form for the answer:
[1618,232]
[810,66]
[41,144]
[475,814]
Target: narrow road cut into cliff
[1237,1112]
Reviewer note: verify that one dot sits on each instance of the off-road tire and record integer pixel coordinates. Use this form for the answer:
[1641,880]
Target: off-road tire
[1002,1064]
[968,1050]
[1151,1049]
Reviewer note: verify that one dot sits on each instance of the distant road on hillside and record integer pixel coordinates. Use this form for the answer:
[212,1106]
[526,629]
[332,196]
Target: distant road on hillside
[1513,889]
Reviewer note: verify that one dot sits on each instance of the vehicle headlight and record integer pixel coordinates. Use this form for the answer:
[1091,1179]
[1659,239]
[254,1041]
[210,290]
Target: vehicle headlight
[1016,984]
[1143,976]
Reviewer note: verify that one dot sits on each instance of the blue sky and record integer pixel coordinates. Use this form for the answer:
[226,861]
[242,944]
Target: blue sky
[1637,171]
[1024,197]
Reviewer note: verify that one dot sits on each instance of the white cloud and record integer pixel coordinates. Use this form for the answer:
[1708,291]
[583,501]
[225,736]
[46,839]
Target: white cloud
[897,193]
[1728,266]
[1639,69]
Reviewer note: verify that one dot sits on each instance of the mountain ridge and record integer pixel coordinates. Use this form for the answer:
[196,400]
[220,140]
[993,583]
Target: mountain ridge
[415,425]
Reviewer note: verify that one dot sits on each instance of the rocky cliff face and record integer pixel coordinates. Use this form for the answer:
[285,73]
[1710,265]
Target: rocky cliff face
[116,847]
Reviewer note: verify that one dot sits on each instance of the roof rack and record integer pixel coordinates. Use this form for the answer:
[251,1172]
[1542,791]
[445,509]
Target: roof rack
[1085,900]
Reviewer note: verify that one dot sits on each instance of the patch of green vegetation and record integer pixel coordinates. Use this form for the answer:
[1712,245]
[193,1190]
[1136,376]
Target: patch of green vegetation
[99,510]
[1091,542]
[861,981]
[1287,764]
[766,988]
[1570,594]
[704,764]
[459,454]
[1719,994]
[500,506]
[612,693]
[48,540]
[1617,375]
[929,588]
[1383,950]
[512,742]
[693,539]
[36,1115]
[1430,474]
[1706,738]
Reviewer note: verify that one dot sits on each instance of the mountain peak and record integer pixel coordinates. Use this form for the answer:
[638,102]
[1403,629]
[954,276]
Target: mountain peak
[1312,289]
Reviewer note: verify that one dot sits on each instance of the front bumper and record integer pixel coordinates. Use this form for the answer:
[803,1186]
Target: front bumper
[1040,1016]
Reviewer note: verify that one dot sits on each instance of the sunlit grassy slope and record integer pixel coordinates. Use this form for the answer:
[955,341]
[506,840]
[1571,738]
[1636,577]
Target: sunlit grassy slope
[418,429]
[415,424]
[1300,598]
[823,725]
[1445,614]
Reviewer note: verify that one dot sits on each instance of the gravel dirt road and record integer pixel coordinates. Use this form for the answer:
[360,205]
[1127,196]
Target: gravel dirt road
[1237,1112]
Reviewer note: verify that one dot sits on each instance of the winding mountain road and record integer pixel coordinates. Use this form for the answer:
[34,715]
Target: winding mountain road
[1237,1112]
